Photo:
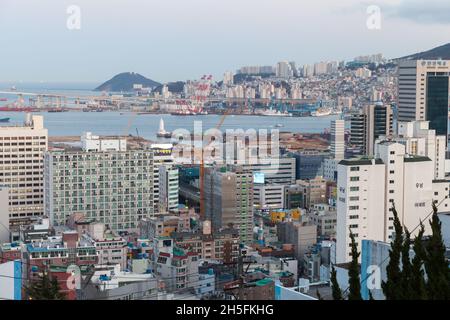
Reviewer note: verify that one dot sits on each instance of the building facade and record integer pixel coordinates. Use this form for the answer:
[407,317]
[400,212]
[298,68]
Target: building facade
[369,123]
[423,92]
[22,151]
[369,188]
[229,199]
[114,187]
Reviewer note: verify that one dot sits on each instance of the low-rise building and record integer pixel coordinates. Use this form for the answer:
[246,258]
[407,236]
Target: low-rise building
[256,286]
[314,191]
[63,250]
[325,218]
[221,245]
[301,234]
[178,268]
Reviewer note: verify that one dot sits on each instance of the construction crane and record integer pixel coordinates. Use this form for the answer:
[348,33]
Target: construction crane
[202,171]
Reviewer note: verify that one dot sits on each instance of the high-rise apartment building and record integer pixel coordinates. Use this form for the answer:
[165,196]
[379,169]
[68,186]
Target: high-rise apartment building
[229,199]
[228,78]
[423,92]
[22,151]
[368,124]
[337,139]
[367,188]
[112,187]
[284,70]
[168,189]
[419,140]
[165,178]
[337,149]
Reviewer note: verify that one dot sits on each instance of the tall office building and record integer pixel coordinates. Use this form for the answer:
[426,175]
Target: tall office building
[369,123]
[113,187]
[22,151]
[423,92]
[229,199]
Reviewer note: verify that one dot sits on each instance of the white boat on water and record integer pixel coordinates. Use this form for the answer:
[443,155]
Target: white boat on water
[162,133]
[274,113]
[321,113]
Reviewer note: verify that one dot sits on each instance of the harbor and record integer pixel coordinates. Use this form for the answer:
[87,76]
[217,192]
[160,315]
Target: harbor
[148,125]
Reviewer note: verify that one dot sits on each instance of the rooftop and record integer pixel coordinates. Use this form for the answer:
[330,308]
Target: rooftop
[360,161]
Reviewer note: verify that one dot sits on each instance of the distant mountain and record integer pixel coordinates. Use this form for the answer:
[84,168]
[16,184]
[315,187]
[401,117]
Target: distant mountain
[441,52]
[125,81]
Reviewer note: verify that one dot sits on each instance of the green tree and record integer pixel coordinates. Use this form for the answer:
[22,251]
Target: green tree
[436,266]
[353,272]
[336,290]
[391,288]
[418,284]
[405,282]
[44,288]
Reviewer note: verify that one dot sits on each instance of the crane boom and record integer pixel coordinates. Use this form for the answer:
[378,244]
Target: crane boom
[202,172]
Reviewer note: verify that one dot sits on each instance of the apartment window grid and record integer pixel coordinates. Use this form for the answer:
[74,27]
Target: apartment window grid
[114,188]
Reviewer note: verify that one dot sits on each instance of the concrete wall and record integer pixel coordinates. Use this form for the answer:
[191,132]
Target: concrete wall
[4,214]
[11,280]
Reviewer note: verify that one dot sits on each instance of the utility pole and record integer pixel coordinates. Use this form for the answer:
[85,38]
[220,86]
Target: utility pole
[240,270]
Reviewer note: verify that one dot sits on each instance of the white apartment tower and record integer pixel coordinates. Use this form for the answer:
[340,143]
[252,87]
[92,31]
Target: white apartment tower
[228,78]
[367,189]
[419,140]
[337,139]
[284,70]
[337,149]
[22,151]
[165,180]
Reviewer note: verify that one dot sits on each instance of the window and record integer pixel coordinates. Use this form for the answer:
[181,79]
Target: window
[353,207]
[391,171]
[391,161]
[392,152]
[354,168]
[354,188]
[354,178]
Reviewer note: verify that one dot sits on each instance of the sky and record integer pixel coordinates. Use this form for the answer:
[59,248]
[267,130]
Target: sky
[170,40]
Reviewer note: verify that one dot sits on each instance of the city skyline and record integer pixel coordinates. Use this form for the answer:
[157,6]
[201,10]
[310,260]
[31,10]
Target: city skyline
[175,40]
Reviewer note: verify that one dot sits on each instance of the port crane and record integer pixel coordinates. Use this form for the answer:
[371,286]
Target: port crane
[202,170]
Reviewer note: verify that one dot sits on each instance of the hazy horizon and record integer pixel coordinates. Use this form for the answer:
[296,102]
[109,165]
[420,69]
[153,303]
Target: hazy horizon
[178,40]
